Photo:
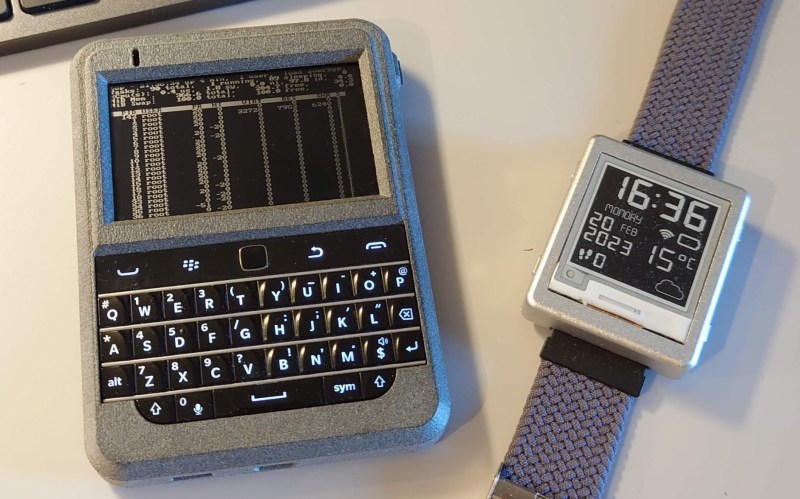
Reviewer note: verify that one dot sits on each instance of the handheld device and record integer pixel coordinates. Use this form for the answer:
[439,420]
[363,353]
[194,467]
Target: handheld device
[633,271]
[253,285]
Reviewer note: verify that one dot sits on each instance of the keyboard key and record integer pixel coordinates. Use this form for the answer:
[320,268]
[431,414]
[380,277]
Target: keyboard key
[150,378]
[160,410]
[216,370]
[403,312]
[269,397]
[183,373]
[310,323]
[337,286]
[112,311]
[249,365]
[209,301]
[282,362]
[178,304]
[376,383]
[373,316]
[368,282]
[274,293]
[279,326]
[240,296]
[253,257]
[378,350]
[145,307]
[116,382]
[194,406]
[315,358]
[398,279]
[306,289]
[342,319]
[148,342]
[409,347]
[115,346]
[36,6]
[342,388]
[245,331]
[212,335]
[181,338]
[346,354]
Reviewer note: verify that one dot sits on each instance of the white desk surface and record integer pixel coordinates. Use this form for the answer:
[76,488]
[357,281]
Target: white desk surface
[499,101]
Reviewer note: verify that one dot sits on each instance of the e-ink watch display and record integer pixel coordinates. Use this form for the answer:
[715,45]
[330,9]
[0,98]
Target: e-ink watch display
[253,284]
[633,270]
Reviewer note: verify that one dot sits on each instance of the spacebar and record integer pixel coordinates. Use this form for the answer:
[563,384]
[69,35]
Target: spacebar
[254,399]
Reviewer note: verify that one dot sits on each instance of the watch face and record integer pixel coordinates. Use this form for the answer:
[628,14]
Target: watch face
[640,246]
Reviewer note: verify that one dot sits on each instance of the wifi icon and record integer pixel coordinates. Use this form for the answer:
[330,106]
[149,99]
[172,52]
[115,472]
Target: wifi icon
[666,234]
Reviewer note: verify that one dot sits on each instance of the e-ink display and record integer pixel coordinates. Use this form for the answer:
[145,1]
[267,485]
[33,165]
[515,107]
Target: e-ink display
[227,142]
[644,234]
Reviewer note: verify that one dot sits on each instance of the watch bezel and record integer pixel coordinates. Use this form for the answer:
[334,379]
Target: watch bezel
[614,333]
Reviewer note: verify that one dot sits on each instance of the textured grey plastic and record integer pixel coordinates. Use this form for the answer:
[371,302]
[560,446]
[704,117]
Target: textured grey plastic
[691,95]
[568,435]
[124,447]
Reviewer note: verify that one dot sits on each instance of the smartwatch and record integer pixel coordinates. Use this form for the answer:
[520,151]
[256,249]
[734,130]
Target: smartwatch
[633,270]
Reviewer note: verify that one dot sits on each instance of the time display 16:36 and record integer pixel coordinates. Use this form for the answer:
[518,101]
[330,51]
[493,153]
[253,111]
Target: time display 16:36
[642,233]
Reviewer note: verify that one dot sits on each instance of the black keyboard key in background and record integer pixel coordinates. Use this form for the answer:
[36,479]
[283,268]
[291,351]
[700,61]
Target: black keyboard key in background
[150,378]
[342,319]
[178,303]
[378,350]
[282,362]
[194,406]
[209,301]
[315,358]
[306,289]
[342,388]
[183,373]
[37,6]
[399,279]
[409,346]
[181,338]
[310,323]
[145,307]
[116,381]
[240,296]
[373,316]
[245,330]
[274,293]
[115,346]
[368,282]
[278,326]
[148,342]
[5,10]
[249,365]
[213,335]
[337,286]
[269,397]
[216,370]
[160,410]
[346,354]
[376,383]
[113,311]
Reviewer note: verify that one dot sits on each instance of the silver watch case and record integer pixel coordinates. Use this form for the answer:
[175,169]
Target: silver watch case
[658,352]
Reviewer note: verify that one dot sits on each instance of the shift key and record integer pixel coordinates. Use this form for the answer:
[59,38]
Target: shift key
[255,399]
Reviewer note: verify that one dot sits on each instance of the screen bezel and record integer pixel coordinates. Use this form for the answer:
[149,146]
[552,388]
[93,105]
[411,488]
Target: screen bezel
[205,56]
[664,355]
[670,329]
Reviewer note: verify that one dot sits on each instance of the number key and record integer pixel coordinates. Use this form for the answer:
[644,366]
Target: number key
[177,304]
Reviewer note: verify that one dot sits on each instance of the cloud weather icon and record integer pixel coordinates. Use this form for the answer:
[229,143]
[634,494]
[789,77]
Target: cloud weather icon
[669,288]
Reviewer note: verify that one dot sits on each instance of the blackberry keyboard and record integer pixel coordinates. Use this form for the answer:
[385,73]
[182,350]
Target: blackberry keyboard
[27,24]
[258,326]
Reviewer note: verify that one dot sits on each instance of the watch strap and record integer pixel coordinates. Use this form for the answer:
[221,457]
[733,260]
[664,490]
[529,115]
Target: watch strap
[689,101]
[572,423]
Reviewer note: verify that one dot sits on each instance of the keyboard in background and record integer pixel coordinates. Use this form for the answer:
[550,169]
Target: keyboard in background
[29,24]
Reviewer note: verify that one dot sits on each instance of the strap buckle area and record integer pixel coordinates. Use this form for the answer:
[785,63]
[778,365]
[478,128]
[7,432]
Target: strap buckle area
[505,489]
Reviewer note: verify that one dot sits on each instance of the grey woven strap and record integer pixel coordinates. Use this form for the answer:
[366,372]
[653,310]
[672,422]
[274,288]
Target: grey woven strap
[703,60]
[568,435]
